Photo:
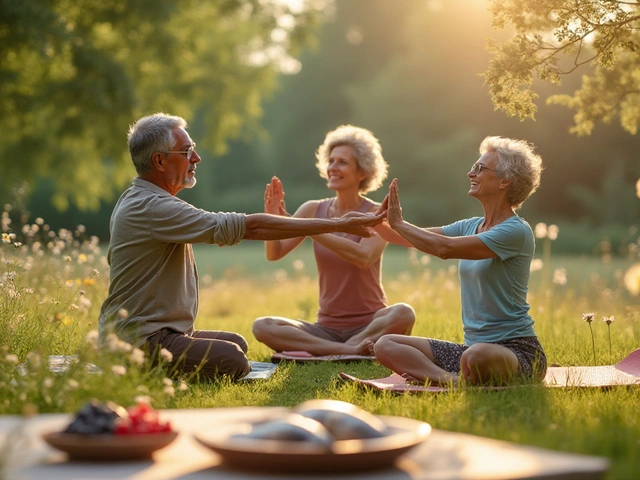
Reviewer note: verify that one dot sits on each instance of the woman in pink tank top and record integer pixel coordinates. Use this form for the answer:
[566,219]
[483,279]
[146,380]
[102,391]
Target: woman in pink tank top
[353,310]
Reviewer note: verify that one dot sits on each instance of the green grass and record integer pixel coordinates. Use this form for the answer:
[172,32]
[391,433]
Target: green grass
[48,304]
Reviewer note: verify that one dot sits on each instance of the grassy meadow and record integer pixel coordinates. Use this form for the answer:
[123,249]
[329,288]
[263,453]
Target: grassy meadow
[52,285]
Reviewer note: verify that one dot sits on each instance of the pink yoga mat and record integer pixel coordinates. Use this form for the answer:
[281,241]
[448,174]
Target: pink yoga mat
[300,356]
[625,372]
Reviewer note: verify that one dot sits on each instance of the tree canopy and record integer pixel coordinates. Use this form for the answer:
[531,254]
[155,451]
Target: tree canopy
[556,38]
[75,73]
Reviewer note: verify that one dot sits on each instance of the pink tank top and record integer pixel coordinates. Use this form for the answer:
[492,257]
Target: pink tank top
[349,296]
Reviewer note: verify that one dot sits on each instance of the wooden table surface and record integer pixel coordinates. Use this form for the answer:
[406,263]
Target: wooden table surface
[444,455]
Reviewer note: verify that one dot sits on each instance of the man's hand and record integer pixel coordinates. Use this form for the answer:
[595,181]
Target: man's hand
[274,198]
[358,223]
[394,210]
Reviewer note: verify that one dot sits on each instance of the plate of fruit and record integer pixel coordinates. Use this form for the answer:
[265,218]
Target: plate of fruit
[315,436]
[106,431]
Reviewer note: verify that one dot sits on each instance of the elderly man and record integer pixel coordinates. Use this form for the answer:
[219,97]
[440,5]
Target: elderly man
[153,290]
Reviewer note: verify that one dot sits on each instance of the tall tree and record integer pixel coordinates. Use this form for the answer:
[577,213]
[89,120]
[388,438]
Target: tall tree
[74,74]
[556,38]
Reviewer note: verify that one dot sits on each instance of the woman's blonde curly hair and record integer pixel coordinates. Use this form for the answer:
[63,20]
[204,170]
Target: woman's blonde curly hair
[366,150]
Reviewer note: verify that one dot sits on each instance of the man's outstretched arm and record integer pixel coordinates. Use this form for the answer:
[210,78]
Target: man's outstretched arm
[262,226]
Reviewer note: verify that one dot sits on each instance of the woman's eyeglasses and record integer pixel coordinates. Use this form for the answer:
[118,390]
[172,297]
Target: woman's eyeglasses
[478,167]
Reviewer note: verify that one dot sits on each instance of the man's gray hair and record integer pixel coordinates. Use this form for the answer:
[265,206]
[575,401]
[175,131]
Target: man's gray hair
[149,135]
[518,163]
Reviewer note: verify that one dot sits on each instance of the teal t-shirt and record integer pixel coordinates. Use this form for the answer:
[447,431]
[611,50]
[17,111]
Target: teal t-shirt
[494,290]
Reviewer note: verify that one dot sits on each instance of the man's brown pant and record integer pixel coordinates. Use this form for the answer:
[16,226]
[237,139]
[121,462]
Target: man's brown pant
[212,353]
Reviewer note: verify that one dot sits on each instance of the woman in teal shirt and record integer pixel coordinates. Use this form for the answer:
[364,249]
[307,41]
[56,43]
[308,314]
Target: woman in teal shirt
[495,253]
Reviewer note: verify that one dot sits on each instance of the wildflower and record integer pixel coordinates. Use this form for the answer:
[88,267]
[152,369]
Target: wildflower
[57,317]
[66,321]
[92,339]
[298,264]
[39,221]
[6,238]
[166,355]
[114,344]
[541,230]
[137,357]
[85,303]
[11,359]
[608,321]
[560,276]
[123,313]
[552,232]
[182,386]
[638,188]
[632,279]
[95,272]
[169,390]
[68,283]
[34,359]
[425,259]
[536,264]
[118,370]
[588,317]
[88,282]
[167,381]
[47,383]
[72,384]
[146,399]
[67,258]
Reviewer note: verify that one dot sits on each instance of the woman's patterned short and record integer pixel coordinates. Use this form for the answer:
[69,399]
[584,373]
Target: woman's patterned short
[532,360]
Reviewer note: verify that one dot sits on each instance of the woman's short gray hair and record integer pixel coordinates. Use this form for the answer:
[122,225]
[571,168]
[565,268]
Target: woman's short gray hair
[518,163]
[149,135]
[366,150]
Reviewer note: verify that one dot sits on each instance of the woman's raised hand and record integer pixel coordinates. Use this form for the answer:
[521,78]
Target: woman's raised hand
[274,198]
[394,210]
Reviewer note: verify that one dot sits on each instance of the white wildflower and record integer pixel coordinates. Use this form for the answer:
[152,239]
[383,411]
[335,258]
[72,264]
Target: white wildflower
[118,370]
[541,230]
[536,264]
[560,276]
[166,355]
[146,399]
[137,357]
[11,359]
[169,390]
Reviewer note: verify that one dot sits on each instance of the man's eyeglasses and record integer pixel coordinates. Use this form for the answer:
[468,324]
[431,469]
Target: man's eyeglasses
[189,152]
[478,167]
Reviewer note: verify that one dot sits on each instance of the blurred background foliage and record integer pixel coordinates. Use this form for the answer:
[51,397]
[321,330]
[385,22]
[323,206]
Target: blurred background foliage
[261,82]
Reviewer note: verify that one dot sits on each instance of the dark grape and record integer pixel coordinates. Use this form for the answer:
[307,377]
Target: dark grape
[96,418]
